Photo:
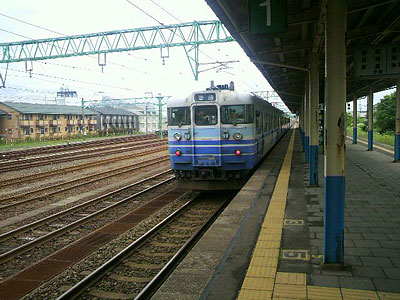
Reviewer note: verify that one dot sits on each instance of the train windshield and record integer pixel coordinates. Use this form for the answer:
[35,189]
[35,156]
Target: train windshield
[205,115]
[237,114]
[178,116]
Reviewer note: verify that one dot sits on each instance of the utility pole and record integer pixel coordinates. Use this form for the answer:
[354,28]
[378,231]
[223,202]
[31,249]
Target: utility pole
[145,112]
[159,97]
[147,95]
[83,121]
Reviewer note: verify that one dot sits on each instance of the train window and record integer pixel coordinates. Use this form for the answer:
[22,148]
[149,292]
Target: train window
[270,121]
[265,122]
[205,115]
[178,116]
[205,97]
[258,122]
[237,114]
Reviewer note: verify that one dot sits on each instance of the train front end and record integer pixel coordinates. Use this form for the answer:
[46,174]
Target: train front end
[210,137]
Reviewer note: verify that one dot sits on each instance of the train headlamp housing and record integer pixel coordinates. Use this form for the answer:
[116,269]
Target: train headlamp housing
[237,152]
[238,136]
[225,135]
[177,136]
[178,153]
[186,135]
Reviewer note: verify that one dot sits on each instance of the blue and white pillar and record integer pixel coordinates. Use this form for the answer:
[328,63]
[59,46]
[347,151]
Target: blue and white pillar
[370,113]
[301,125]
[355,120]
[335,122]
[313,118]
[397,132]
[306,120]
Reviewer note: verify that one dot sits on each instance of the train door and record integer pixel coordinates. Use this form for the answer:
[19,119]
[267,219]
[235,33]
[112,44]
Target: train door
[206,136]
[258,131]
[262,133]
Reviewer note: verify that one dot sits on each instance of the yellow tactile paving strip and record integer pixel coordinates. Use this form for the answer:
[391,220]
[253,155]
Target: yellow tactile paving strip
[374,145]
[262,280]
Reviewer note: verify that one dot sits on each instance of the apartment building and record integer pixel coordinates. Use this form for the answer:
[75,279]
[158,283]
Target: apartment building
[109,118]
[26,120]
[148,117]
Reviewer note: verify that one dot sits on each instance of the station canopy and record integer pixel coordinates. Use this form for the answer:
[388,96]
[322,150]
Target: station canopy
[296,28]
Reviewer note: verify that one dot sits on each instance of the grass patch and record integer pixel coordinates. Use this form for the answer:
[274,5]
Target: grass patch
[37,143]
[386,139]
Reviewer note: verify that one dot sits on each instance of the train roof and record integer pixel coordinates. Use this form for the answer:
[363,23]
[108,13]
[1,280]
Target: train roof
[230,96]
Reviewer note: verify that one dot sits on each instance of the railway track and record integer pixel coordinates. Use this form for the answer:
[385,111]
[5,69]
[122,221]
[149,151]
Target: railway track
[23,153]
[32,177]
[21,240]
[49,191]
[66,157]
[139,269]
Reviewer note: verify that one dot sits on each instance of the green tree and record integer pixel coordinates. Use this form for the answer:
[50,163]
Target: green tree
[385,114]
[349,120]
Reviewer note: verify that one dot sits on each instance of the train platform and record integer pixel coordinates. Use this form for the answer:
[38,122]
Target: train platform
[268,242]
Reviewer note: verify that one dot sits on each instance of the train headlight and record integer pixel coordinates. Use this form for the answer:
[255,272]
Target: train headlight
[225,135]
[177,136]
[186,135]
[238,136]
[178,153]
[237,152]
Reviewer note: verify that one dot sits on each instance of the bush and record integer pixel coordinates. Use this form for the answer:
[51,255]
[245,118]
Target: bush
[364,125]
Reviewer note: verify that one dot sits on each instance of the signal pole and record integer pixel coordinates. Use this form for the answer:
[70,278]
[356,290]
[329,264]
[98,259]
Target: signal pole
[83,121]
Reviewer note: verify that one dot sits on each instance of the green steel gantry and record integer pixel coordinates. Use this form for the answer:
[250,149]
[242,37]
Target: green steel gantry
[188,35]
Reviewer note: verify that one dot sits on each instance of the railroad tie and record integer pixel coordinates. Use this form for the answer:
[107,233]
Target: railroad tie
[142,266]
[131,278]
[156,254]
[162,244]
[110,295]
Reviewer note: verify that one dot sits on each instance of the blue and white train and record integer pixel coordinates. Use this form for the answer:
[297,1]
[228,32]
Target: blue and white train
[216,137]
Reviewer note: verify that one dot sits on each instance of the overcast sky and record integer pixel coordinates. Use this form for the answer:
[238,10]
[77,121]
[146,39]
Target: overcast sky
[128,74]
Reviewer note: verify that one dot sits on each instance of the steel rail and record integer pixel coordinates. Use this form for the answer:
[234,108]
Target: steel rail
[15,154]
[92,278]
[33,225]
[161,276]
[96,177]
[76,154]
[72,152]
[27,178]
[23,248]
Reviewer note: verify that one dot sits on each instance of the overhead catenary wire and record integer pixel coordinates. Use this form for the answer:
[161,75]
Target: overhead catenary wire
[176,18]
[112,63]
[119,65]
[37,26]
[179,20]
[155,3]
[58,83]
[89,56]
[76,80]
[159,22]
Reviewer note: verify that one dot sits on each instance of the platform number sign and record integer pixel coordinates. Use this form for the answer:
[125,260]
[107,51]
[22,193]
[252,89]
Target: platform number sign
[267,16]
[295,254]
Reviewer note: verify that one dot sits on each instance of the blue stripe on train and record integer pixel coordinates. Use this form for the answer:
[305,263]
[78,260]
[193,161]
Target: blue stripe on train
[209,142]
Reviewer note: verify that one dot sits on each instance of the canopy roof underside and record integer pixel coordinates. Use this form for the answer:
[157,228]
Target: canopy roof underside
[369,22]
